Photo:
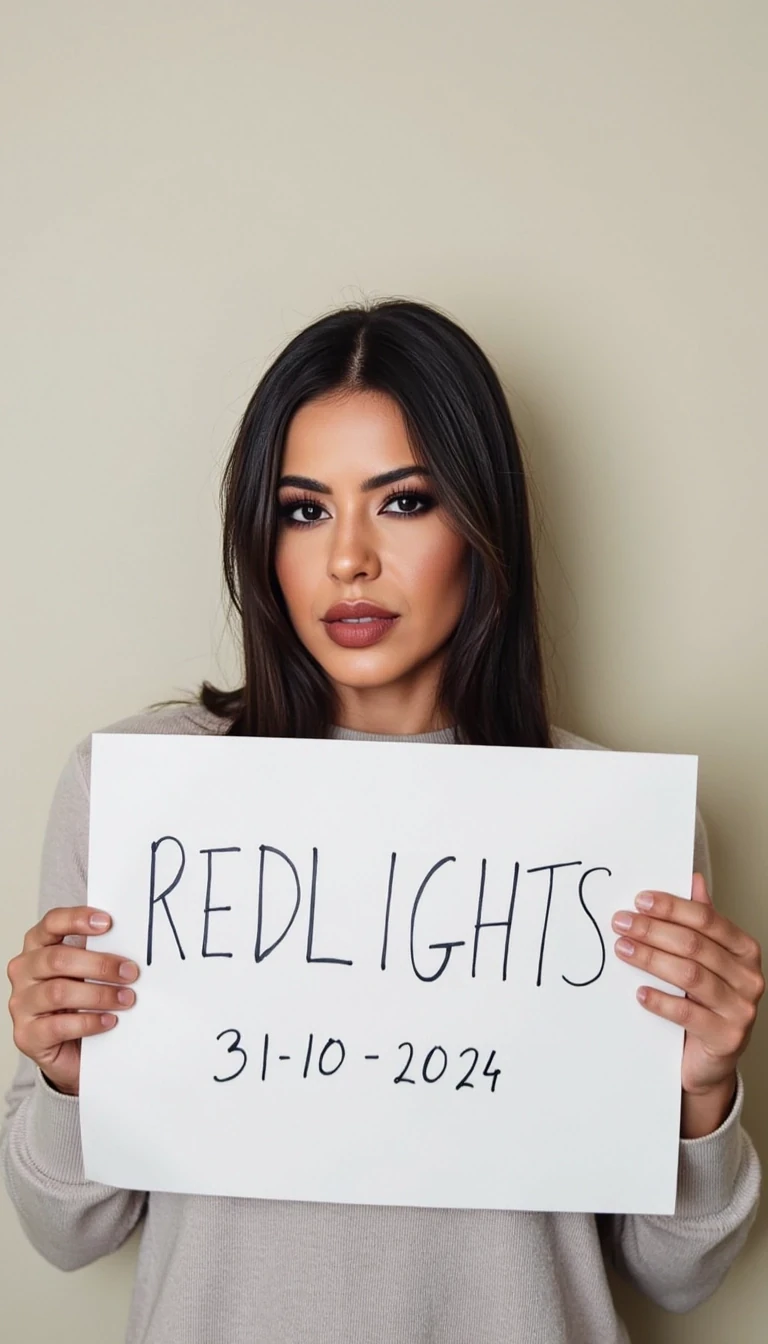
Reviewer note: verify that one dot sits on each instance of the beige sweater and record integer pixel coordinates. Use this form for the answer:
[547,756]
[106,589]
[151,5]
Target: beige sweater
[227,1271]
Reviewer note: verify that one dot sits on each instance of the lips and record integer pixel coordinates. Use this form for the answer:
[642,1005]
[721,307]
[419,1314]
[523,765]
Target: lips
[355,625]
[352,611]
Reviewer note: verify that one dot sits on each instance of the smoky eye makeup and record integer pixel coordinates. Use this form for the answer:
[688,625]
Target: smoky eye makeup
[423,498]
[417,503]
[287,507]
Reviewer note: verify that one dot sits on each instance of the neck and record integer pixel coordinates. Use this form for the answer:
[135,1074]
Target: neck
[409,706]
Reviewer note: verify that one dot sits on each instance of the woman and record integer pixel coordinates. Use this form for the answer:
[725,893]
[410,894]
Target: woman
[377,550]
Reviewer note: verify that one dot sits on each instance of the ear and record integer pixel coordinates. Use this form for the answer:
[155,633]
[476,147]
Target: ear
[699,890]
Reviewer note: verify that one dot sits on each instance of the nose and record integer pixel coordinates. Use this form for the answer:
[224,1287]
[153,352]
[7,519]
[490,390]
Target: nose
[352,553]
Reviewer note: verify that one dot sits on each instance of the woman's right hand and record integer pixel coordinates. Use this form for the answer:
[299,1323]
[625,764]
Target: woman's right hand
[48,987]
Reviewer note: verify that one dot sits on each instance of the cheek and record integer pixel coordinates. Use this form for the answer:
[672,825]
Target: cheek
[438,573]
[292,576]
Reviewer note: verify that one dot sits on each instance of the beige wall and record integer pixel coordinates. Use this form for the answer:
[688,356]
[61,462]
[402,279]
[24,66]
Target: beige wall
[581,183]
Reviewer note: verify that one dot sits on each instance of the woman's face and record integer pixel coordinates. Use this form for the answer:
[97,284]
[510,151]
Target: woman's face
[346,535]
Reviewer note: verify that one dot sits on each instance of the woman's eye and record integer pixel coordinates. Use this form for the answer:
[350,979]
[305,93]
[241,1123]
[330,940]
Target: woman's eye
[412,501]
[305,512]
[302,512]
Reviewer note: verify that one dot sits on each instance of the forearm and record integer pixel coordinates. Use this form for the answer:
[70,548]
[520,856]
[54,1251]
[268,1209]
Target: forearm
[679,1260]
[70,1220]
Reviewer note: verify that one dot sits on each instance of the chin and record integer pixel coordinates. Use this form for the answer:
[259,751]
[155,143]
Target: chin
[364,678]
[363,667]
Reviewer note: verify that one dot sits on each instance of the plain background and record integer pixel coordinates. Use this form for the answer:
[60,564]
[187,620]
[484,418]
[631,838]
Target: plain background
[581,183]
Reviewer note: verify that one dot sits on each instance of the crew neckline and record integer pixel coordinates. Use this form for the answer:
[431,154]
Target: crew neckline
[201,715]
[357,735]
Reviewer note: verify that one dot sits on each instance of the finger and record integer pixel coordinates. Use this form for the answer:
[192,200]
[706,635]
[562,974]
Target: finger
[76,963]
[719,1036]
[55,996]
[702,916]
[64,920]
[690,944]
[699,983]
[44,1033]
[700,891]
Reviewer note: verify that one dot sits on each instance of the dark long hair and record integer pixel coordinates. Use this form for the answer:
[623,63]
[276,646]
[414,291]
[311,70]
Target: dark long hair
[460,426]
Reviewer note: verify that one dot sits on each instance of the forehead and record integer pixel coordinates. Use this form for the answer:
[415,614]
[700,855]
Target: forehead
[358,432]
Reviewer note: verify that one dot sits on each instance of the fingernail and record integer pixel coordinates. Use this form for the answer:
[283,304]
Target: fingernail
[642,993]
[99,921]
[644,901]
[108,1019]
[125,996]
[625,947]
[622,921]
[128,971]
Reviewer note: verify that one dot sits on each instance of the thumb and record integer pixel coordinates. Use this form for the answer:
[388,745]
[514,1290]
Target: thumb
[699,890]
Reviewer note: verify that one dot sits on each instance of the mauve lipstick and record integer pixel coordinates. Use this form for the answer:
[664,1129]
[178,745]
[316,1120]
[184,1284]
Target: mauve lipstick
[356,625]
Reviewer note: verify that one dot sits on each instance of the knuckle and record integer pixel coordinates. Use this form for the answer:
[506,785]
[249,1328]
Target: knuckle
[105,969]
[59,1027]
[707,917]
[58,958]
[684,1012]
[752,950]
[759,986]
[12,969]
[57,993]
[734,1041]
[13,1005]
[749,1013]
[692,943]
[691,974]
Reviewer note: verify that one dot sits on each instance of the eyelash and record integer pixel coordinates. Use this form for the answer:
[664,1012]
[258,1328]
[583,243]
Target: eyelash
[288,506]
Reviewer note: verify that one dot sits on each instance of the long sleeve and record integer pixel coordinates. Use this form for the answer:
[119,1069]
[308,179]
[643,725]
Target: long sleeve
[71,1221]
[679,1260]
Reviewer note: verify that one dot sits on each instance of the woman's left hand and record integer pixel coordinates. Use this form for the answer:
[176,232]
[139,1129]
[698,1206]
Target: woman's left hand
[688,944]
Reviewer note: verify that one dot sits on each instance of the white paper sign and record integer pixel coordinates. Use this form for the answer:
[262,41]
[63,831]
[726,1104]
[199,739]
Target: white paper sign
[383,973]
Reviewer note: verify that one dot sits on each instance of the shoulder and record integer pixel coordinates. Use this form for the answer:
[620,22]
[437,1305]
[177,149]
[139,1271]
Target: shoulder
[191,719]
[64,865]
[563,739]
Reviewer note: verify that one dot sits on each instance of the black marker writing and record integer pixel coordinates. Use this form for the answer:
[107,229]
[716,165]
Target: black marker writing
[385,941]
[435,1063]
[581,983]
[329,1044]
[336,961]
[447,947]
[153,899]
[494,923]
[260,953]
[549,868]
[277,907]
[234,1049]
[213,909]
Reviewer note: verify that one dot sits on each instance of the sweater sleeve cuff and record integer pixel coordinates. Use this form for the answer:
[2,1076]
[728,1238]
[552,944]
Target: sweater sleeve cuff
[53,1133]
[709,1166]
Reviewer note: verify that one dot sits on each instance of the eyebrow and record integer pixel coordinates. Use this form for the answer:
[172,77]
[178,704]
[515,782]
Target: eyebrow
[371,483]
